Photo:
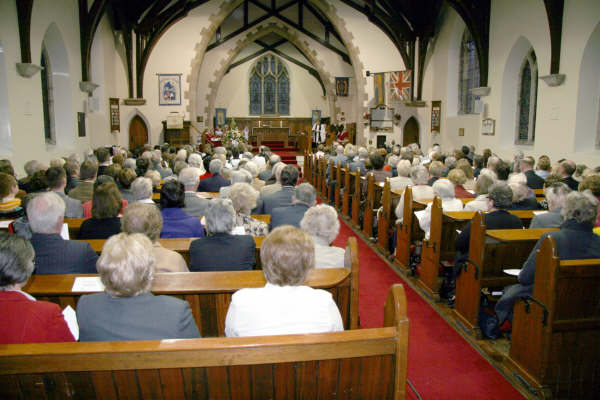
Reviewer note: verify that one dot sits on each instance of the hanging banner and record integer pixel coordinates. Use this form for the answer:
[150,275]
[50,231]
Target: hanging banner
[342,86]
[379,88]
[398,85]
[436,113]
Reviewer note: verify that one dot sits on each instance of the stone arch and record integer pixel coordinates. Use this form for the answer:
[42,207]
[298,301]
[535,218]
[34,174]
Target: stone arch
[253,35]
[131,115]
[588,92]
[62,88]
[510,91]
[329,10]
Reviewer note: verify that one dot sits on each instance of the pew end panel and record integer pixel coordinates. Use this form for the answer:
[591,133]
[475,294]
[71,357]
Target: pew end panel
[384,218]
[404,230]
[430,253]
[366,364]
[348,191]
[555,346]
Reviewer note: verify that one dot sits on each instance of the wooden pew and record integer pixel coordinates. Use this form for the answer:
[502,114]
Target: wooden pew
[356,198]
[385,219]
[489,254]
[555,346]
[369,206]
[348,191]
[179,245]
[331,178]
[307,174]
[209,293]
[75,223]
[338,187]
[408,231]
[367,364]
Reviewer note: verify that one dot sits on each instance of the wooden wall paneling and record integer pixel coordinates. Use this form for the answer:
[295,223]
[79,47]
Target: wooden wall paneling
[196,383]
[328,377]
[306,380]
[241,382]
[149,383]
[210,326]
[284,375]
[218,386]
[104,386]
[9,387]
[171,381]
[262,382]
[349,373]
[125,383]
[32,386]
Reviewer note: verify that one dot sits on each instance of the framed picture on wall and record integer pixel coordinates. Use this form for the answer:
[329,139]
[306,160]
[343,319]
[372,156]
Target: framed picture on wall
[220,116]
[169,89]
[488,126]
[436,112]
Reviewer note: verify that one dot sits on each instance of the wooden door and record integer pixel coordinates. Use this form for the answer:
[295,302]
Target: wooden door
[138,133]
[411,132]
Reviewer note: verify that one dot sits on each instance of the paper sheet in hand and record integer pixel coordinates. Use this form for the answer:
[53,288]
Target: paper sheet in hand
[87,284]
[5,224]
[539,212]
[64,232]
[71,320]
[514,272]
[238,230]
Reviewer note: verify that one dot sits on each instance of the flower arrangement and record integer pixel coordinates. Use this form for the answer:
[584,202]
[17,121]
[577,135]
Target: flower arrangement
[232,136]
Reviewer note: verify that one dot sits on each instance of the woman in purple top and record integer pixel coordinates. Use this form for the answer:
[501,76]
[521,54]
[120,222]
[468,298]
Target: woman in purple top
[176,222]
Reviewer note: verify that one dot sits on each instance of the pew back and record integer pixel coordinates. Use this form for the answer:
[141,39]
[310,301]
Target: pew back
[368,364]
[555,345]
[209,293]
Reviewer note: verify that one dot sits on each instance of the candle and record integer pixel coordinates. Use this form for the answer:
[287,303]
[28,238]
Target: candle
[280,123]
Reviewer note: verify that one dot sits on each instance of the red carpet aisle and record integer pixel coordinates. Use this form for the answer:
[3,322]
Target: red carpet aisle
[441,364]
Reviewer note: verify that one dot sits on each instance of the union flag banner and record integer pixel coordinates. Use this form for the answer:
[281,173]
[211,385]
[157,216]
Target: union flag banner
[398,84]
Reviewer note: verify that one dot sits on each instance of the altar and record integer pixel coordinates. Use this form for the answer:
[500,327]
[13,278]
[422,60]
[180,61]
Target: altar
[271,134]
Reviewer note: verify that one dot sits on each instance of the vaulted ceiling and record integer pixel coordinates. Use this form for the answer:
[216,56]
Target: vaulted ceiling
[408,23]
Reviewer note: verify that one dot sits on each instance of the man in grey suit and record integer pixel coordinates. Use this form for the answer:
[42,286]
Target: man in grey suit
[289,178]
[194,205]
[126,310]
[56,178]
[556,196]
[305,197]
[274,187]
[53,254]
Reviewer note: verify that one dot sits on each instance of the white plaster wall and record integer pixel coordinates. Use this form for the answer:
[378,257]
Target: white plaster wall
[25,99]
[305,92]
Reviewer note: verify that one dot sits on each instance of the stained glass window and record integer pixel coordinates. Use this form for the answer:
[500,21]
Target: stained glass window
[269,87]
[527,100]
[468,74]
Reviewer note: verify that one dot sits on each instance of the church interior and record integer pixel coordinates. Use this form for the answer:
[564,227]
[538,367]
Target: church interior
[513,76]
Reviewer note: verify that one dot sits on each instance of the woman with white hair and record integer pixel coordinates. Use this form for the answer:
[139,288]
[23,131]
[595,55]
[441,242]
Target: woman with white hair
[575,240]
[195,161]
[154,176]
[284,305]
[401,181]
[244,199]
[521,197]
[146,219]
[141,188]
[127,310]
[251,167]
[445,189]
[556,196]
[420,189]
[322,224]
[220,250]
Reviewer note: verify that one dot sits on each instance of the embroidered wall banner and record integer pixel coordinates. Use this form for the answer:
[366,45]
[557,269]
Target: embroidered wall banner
[379,88]
[342,86]
[169,89]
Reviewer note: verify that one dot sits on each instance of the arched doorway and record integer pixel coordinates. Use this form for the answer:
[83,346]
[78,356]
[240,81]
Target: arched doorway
[138,133]
[411,132]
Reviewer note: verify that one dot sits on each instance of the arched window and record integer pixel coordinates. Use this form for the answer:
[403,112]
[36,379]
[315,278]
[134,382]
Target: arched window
[468,74]
[269,87]
[47,98]
[527,102]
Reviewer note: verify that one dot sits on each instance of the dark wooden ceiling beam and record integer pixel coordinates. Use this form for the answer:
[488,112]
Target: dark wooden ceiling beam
[325,22]
[88,23]
[24,8]
[310,70]
[554,9]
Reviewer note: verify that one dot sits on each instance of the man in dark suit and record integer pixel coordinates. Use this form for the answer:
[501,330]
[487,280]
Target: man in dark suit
[289,178]
[533,180]
[53,254]
[566,171]
[216,181]
[84,191]
[305,197]
[268,172]
[220,250]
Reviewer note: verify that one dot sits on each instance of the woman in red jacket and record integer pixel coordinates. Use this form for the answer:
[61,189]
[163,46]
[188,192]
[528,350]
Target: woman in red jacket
[23,319]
